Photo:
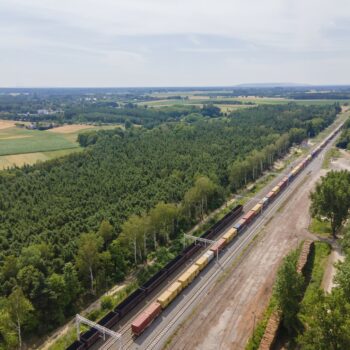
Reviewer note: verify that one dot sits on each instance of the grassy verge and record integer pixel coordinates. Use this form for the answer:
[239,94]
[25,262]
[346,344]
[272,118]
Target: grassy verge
[318,265]
[320,228]
[332,153]
[259,330]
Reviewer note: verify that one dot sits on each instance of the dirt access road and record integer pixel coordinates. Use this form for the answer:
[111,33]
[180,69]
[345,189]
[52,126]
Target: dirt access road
[225,318]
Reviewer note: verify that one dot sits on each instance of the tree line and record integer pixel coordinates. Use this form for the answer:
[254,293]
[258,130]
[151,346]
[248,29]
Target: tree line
[72,227]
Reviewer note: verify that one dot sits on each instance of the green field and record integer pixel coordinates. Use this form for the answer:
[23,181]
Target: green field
[21,146]
[256,100]
[17,141]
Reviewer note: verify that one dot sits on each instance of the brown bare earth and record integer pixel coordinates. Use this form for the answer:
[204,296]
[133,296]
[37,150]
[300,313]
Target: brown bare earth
[4,124]
[226,316]
[67,129]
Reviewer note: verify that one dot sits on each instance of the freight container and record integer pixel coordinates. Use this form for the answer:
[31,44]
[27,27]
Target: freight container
[202,262]
[294,172]
[270,195]
[194,270]
[165,299]
[175,288]
[230,234]
[276,189]
[239,226]
[210,255]
[146,318]
[264,202]
[257,208]
[218,246]
[249,216]
[185,279]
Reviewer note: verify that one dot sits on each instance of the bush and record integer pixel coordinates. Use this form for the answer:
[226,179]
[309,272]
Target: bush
[106,302]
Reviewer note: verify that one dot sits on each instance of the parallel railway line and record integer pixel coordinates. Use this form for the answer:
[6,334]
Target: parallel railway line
[237,248]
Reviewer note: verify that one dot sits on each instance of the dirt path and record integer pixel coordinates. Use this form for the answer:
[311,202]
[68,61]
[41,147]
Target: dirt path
[328,277]
[226,316]
[343,162]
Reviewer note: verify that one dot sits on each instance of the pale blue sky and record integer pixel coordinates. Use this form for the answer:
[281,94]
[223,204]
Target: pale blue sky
[173,43]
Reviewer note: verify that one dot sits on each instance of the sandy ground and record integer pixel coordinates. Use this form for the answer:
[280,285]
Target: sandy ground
[328,277]
[226,316]
[4,124]
[67,129]
[343,162]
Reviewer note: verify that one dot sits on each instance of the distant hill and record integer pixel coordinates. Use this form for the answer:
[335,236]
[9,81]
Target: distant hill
[269,85]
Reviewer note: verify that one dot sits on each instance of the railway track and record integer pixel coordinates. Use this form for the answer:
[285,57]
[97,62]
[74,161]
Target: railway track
[238,248]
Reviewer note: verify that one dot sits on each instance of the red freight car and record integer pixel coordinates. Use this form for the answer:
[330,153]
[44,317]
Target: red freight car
[217,246]
[249,216]
[145,318]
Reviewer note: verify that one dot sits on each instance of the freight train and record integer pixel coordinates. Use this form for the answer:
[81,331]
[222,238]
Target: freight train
[143,320]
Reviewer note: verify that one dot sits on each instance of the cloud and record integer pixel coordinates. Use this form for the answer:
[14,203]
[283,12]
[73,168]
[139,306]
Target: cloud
[167,42]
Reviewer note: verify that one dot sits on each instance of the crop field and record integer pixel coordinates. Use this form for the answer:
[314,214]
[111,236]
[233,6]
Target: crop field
[21,146]
[12,160]
[16,141]
[192,99]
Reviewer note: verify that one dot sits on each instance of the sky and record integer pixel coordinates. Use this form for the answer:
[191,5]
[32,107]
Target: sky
[130,43]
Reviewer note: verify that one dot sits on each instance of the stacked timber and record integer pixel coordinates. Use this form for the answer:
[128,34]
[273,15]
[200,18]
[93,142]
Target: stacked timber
[270,334]
[305,251]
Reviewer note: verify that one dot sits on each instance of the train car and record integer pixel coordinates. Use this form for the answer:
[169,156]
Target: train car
[257,208]
[130,302]
[240,225]
[171,266]
[213,231]
[295,171]
[202,262]
[189,275]
[249,217]
[165,299]
[270,196]
[154,281]
[175,288]
[276,189]
[191,250]
[77,345]
[218,246]
[230,234]
[210,255]
[146,318]
[264,202]
[109,320]
[90,337]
